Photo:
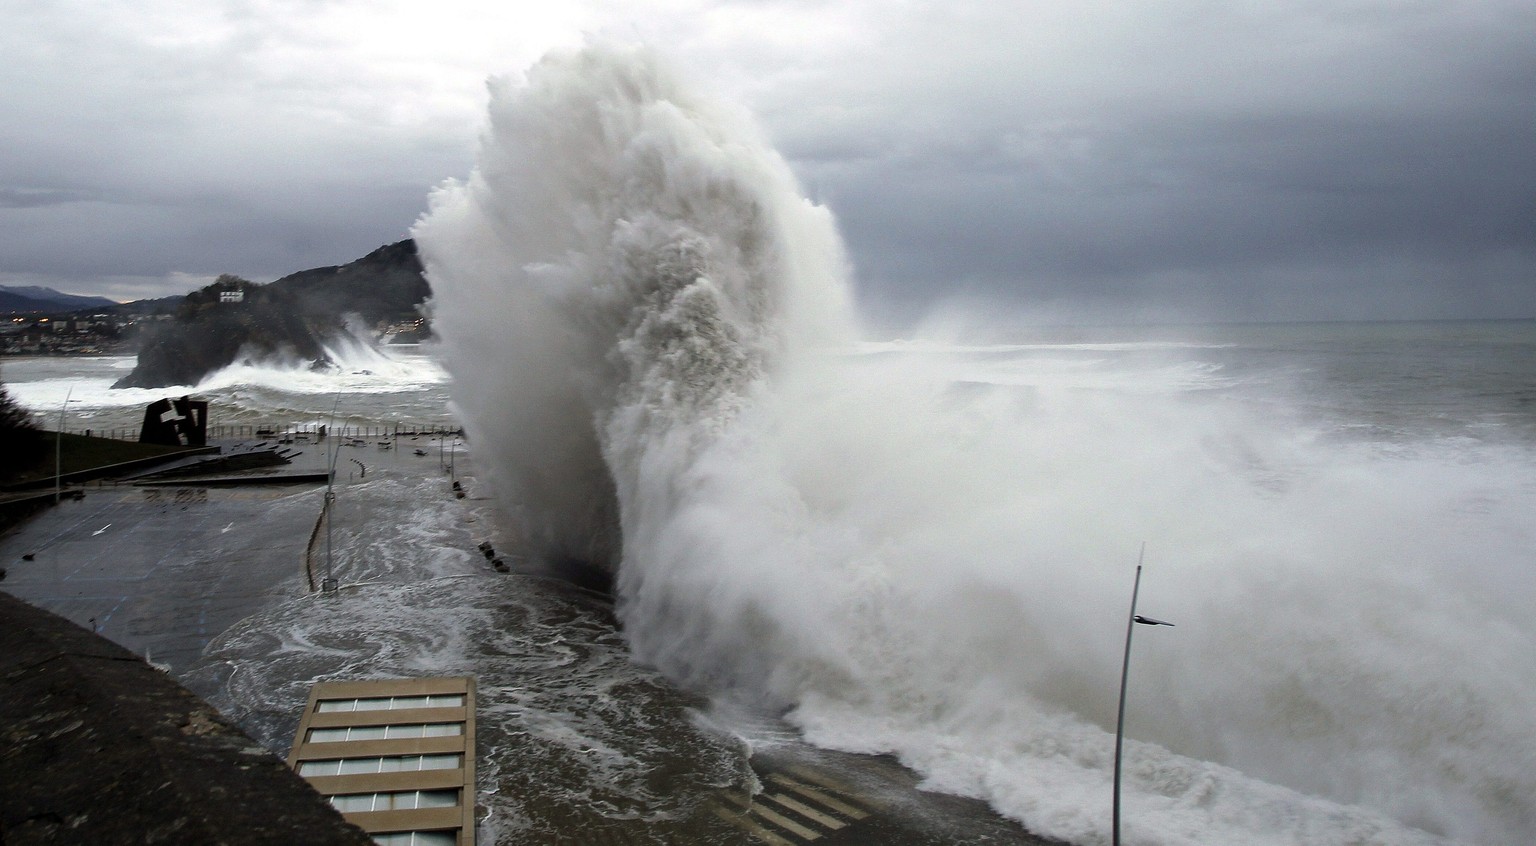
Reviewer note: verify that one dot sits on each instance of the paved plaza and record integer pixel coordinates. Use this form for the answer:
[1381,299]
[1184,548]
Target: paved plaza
[163,570]
[579,745]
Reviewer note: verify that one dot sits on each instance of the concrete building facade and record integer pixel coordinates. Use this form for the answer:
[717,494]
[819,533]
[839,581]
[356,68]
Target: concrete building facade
[395,756]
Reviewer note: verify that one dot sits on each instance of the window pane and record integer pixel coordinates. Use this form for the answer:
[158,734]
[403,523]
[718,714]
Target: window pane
[401,702]
[336,705]
[437,799]
[327,735]
[377,704]
[394,765]
[434,838]
[366,733]
[439,762]
[443,730]
[359,766]
[446,700]
[354,802]
[394,838]
[413,730]
[319,768]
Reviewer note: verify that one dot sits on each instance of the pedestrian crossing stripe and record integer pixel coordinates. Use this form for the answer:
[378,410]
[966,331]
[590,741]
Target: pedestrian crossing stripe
[809,813]
[791,811]
[782,821]
[752,827]
[818,796]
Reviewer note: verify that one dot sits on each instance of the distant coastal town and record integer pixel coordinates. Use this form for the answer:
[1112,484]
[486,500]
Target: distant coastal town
[106,333]
[73,334]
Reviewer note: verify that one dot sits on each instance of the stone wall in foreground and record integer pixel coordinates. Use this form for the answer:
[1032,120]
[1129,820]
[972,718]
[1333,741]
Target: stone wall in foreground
[98,747]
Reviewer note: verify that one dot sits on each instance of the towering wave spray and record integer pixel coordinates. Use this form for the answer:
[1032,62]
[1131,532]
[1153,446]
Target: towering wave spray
[623,267]
[650,340]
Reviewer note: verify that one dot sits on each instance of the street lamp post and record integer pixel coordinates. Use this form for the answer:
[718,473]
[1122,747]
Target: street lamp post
[328,584]
[58,450]
[1125,672]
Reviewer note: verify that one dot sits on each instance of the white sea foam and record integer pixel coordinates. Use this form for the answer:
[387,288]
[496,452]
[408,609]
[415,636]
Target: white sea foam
[938,347]
[647,331]
[246,391]
[352,364]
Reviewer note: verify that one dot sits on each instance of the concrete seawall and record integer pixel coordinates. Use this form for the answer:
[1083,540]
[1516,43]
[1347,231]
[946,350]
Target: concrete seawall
[98,747]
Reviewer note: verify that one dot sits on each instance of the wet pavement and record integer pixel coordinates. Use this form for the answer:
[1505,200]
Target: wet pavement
[162,571]
[578,745]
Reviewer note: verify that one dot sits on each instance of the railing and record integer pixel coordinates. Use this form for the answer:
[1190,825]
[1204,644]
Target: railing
[304,431]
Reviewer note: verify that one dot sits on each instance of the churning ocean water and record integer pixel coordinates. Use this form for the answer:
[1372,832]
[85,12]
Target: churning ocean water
[365,387]
[1337,517]
[924,547]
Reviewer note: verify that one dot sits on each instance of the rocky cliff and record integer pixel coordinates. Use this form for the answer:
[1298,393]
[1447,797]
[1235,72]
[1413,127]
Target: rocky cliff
[293,317]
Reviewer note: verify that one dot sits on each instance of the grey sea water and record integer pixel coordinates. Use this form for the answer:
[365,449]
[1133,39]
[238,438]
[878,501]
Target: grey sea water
[1351,630]
[1399,381]
[1388,382]
[1383,381]
[399,384]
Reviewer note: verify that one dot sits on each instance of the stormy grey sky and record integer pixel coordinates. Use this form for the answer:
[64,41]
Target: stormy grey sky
[1063,161]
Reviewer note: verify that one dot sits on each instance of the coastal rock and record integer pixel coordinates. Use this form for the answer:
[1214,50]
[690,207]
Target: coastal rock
[291,318]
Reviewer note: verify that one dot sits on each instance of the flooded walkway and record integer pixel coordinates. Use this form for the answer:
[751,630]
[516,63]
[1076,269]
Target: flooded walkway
[576,743]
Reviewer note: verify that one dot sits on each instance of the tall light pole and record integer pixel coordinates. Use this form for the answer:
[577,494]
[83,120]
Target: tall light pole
[1125,673]
[58,450]
[328,585]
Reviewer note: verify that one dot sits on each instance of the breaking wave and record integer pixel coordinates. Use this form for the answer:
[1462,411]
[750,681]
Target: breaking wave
[652,346]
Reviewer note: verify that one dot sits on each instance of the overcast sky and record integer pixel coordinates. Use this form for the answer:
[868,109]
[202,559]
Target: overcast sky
[1064,160]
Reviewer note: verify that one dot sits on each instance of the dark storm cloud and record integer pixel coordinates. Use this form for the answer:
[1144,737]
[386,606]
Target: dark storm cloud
[13,197]
[1377,163]
[210,233]
[1225,194]
[159,144]
[1244,160]
[1229,199]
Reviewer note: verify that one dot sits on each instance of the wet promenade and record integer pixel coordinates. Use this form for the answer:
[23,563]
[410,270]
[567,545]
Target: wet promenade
[578,745]
[162,570]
